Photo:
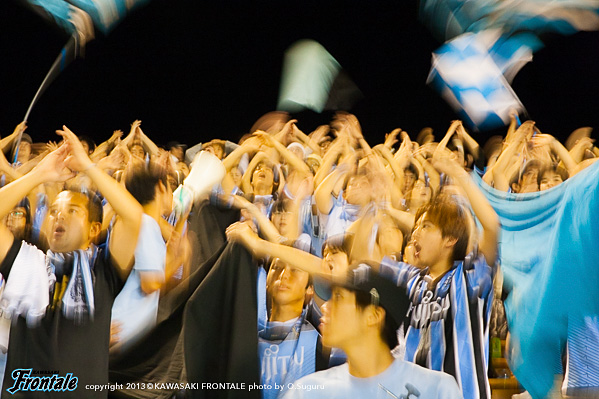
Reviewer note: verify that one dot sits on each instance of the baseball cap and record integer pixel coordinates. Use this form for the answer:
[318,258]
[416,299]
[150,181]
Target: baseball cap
[362,276]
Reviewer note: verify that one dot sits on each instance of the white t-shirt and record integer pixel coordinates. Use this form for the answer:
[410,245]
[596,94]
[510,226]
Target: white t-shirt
[401,380]
[133,309]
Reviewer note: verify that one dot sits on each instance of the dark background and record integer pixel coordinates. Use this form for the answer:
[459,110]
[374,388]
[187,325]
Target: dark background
[194,70]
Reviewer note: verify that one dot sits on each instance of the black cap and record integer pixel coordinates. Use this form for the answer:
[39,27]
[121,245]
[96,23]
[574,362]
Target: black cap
[363,277]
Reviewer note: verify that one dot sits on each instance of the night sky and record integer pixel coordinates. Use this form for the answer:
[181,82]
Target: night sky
[194,70]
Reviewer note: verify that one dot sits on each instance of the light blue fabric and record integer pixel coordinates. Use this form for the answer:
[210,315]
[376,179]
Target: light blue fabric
[105,14]
[549,253]
[472,72]
[401,380]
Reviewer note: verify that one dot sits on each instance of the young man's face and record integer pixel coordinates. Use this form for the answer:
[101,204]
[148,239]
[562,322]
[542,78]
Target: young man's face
[215,150]
[334,262]
[342,322]
[67,224]
[16,221]
[428,242]
[286,285]
[281,220]
[138,151]
[409,180]
[550,179]
[263,176]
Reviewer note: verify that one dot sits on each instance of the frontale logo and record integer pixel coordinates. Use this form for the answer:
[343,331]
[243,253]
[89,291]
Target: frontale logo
[24,381]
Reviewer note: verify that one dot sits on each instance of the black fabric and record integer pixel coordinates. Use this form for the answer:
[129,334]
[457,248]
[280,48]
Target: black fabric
[159,357]
[10,257]
[59,345]
[220,328]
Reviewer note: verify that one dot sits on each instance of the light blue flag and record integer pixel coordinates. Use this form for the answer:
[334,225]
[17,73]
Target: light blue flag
[470,74]
[549,255]
[488,42]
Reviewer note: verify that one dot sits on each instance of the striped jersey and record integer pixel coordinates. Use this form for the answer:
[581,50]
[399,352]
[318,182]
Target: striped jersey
[448,326]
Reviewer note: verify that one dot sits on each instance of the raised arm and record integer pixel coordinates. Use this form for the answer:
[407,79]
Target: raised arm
[8,140]
[104,148]
[242,233]
[123,239]
[481,207]
[501,179]
[50,169]
[292,160]
[325,190]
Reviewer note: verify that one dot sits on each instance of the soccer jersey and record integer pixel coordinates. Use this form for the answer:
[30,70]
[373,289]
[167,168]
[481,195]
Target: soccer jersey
[448,322]
[287,352]
[582,368]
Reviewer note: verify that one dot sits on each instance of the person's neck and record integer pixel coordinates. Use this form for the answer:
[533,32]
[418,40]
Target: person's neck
[152,209]
[369,357]
[286,312]
[262,190]
[440,268]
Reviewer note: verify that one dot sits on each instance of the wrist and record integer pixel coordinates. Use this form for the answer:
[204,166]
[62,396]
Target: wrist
[89,166]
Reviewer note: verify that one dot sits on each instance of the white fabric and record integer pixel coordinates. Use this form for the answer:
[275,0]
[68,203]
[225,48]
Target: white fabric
[133,309]
[27,290]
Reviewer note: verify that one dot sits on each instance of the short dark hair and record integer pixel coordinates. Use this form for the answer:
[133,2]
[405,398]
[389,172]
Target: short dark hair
[554,168]
[90,143]
[282,205]
[95,211]
[339,243]
[141,181]
[450,217]
[390,326]
[412,168]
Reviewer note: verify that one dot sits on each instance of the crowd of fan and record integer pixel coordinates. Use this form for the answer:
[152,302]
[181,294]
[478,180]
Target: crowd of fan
[330,195]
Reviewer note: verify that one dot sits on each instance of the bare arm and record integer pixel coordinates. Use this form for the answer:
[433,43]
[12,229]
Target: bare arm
[125,232]
[50,169]
[324,192]
[480,205]
[501,179]
[242,233]
[8,140]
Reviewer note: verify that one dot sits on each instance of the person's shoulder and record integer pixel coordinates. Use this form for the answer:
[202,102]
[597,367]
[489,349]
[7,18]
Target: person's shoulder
[328,384]
[436,381]
[327,376]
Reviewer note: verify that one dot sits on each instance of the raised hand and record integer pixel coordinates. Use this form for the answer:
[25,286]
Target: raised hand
[53,167]
[391,138]
[78,160]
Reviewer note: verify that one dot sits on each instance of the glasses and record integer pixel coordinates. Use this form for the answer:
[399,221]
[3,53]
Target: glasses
[16,214]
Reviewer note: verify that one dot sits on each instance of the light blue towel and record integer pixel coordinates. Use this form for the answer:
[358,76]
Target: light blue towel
[549,253]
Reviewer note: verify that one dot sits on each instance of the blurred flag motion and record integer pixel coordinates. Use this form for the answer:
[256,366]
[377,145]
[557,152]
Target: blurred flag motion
[486,44]
[313,79]
[80,19]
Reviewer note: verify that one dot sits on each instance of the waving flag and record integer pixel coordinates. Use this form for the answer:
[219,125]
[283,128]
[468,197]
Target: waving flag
[313,79]
[80,19]
[471,73]
[488,42]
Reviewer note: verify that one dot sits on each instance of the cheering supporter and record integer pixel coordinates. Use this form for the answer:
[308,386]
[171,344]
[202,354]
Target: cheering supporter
[361,317]
[67,307]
